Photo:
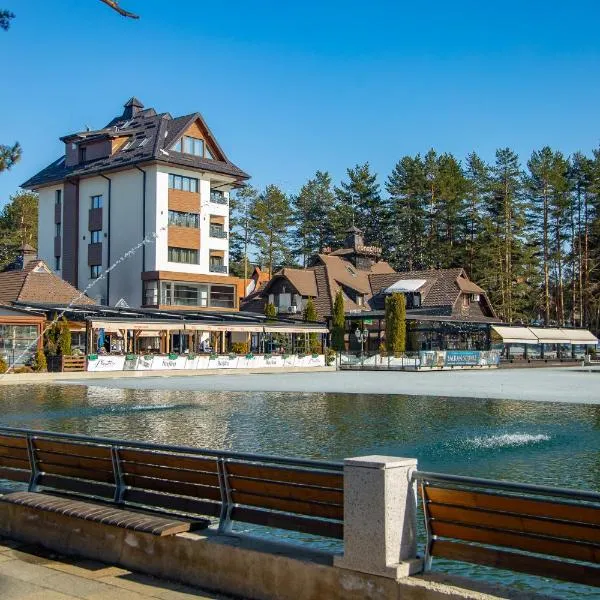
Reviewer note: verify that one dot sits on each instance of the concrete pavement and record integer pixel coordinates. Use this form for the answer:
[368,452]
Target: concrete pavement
[34,573]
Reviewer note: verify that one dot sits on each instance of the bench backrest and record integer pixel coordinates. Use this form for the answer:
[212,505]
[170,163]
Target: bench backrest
[305,497]
[519,530]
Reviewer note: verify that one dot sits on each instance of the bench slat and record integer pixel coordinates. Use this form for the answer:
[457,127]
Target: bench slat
[76,473]
[160,526]
[544,567]
[168,460]
[326,511]
[96,464]
[13,441]
[281,474]
[513,504]
[11,452]
[200,477]
[72,448]
[90,488]
[518,523]
[14,463]
[290,522]
[576,551]
[173,487]
[287,491]
[15,474]
[175,503]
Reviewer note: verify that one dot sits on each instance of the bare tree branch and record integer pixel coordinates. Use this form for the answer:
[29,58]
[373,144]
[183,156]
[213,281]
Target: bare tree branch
[115,6]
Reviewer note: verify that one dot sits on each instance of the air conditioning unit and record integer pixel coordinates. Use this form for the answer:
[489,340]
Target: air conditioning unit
[293,309]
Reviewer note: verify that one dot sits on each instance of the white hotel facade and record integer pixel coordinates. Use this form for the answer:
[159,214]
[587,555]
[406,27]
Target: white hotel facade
[152,190]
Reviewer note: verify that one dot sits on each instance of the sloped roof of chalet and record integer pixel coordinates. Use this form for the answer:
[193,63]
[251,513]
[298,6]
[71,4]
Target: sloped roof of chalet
[441,287]
[304,281]
[342,272]
[160,132]
[467,285]
[35,282]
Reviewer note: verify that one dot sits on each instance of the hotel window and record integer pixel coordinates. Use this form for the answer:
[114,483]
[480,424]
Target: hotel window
[57,263]
[95,271]
[222,296]
[183,255]
[193,146]
[96,201]
[466,300]
[57,229]
[95,236]
[57,197]
[185,184]
[150,293]
[183,219]
[82,153]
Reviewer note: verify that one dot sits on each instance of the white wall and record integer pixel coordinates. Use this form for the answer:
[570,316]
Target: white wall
[207,208]
[46,225]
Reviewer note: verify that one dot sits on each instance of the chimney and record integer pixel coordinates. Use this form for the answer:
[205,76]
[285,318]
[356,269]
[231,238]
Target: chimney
[132,107]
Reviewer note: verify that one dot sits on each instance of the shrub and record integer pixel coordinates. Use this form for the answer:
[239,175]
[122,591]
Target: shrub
[39,364]
[64,338]
[331,355]
[270,311]
[3,365]
[23,369]
[338,323]
[239,348]
[395,324]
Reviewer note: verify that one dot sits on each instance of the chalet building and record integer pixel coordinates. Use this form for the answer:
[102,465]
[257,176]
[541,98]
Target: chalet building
[28,279]
[445,310]
[149,181]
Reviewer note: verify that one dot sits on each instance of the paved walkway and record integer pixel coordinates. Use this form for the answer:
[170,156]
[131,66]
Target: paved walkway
[33,573]
[564,384]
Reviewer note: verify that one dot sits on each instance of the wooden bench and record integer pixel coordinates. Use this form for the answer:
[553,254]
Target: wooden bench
[178,487]
[522,528]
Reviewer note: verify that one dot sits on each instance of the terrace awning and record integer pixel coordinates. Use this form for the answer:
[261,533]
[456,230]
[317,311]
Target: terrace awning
[550,335]
[515,335]
[581,336]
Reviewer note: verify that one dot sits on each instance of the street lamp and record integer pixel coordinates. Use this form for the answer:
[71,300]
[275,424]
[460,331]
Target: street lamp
[362,336]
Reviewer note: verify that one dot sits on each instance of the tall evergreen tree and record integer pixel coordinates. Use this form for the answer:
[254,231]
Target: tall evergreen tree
[9,155]
[359,203]
[478,186]
[407,187]
[271,217]
[312,208]
[338,323]
[18,225]
[240,230]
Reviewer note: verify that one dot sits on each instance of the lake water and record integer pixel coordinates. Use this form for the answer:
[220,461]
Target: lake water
[548,443]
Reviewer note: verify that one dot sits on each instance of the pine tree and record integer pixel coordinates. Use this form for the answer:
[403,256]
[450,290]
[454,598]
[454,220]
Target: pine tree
[359,203]
[407,187]
[312,208]
[9,155]
[270,311]
[478,186]
[395,324]
[338,323]
[271,218]
[240,231]
[547,186]
[18,225]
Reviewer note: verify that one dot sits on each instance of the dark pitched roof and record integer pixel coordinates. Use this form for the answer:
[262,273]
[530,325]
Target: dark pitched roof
[159,131]
[35,282]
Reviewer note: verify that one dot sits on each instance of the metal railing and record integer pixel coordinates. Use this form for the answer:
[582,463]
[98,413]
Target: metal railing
[222,457]
[216,198]
[217,268]
[217,232]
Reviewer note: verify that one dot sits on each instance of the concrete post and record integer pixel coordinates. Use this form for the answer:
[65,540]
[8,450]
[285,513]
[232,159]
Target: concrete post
[380,519]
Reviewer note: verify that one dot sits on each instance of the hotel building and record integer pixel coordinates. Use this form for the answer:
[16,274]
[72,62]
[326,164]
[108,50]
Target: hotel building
[146,178]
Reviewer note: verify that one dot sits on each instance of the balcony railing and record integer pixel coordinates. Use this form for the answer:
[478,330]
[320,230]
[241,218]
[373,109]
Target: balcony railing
[218,198]
[218,269]
[217,232]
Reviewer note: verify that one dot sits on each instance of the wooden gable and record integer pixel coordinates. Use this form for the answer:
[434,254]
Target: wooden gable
[199,131]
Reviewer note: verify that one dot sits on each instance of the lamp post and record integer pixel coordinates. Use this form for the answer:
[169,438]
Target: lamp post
[362,336]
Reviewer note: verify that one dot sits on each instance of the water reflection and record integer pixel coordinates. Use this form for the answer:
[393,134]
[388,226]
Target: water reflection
[547,443]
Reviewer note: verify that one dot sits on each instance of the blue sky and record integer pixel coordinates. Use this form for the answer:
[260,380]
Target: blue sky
[289,88]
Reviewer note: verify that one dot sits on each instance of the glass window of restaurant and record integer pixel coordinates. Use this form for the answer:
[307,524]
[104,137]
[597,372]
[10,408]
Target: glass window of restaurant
[18,343]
